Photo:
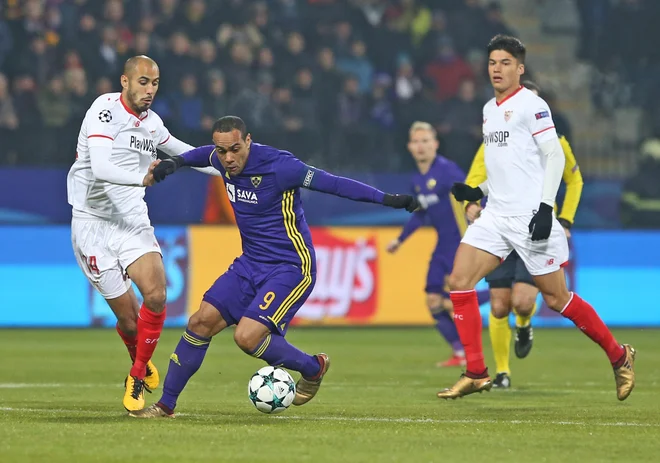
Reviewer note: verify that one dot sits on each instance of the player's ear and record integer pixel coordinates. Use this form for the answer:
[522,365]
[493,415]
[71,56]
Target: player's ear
[521,69]
[124,81]
[248,139]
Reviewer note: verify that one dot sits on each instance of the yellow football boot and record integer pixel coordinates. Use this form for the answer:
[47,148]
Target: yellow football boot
[306,389]
[625,374]
[152,378]
[134,395]
[466,386]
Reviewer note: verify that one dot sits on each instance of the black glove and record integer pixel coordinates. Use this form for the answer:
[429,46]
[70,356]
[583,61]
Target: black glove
[541,224]
[406,202]
[463,192]
[167,167]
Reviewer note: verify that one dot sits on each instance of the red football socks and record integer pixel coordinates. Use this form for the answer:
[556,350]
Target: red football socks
[149,327]
[129,341]
[585,317]
[468,324]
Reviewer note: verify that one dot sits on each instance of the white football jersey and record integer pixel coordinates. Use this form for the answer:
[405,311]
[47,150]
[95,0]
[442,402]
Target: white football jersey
[135,138]
[513,130]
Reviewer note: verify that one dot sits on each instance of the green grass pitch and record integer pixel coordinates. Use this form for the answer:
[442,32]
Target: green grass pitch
[60,401]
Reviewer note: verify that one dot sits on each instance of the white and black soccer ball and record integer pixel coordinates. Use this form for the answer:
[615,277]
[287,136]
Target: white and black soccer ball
[271,390]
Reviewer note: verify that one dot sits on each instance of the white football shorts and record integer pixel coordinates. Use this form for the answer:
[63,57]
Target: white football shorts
[105,248]
[500,235]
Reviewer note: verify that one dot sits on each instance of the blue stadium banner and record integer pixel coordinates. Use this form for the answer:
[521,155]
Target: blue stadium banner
[42,286]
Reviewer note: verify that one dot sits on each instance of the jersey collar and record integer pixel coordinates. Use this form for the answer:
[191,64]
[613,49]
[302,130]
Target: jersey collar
[130,111]
[502,102]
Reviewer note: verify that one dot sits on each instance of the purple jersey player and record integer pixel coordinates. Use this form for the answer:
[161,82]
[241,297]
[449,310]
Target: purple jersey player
[264,287]
[439,209]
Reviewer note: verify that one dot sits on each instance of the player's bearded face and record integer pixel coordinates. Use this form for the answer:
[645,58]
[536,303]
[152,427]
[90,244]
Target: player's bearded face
[422,145]
[232,151]
[142,87]
[504,70]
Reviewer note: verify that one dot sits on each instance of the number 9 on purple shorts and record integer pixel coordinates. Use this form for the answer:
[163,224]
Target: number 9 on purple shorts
[269,294]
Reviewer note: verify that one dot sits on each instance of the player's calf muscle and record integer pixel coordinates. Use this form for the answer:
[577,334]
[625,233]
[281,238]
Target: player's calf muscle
[148,274]
[126,313]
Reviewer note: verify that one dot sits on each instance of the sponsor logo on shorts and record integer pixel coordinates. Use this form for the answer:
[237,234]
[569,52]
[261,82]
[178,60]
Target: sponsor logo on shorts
[550,262]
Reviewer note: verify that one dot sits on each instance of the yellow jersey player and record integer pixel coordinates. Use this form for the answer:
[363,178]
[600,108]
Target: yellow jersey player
[511,285]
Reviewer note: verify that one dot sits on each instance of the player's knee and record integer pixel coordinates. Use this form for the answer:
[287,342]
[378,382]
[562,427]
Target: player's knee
[523,304]
[500,308]
[458,282]
[155,299]
[557,301]
[245,340]
[435,303]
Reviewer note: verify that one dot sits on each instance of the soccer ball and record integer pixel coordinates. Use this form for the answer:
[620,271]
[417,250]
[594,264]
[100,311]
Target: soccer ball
[271,390]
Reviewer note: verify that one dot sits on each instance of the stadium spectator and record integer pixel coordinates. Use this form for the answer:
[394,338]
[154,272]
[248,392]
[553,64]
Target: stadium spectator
[8,123]
[239,52]
[357,64]
[640,202]
[55,109]
[461,126]
[448,70]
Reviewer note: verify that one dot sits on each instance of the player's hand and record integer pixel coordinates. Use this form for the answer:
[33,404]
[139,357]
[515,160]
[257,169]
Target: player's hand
[473,211]
[463,192]
[566,225]
[149,178]
[167,167]
[393,246]
[406,202]
[541,224]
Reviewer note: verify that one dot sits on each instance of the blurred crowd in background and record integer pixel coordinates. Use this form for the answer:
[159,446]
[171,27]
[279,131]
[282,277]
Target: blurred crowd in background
[337,82]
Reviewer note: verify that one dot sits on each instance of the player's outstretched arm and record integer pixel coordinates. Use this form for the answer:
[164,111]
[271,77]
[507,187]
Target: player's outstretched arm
[293,173]
[105,170]
[172,147]
[196,158]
